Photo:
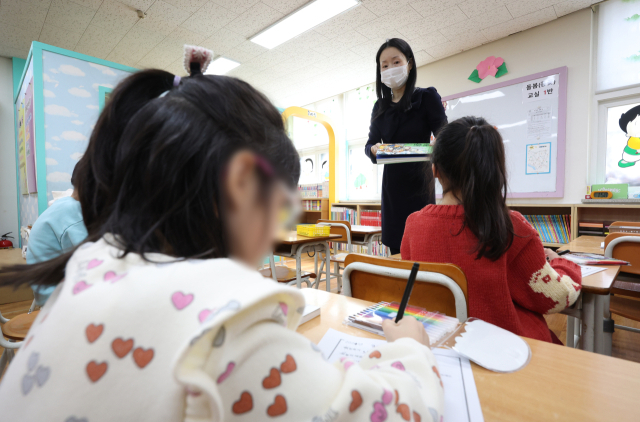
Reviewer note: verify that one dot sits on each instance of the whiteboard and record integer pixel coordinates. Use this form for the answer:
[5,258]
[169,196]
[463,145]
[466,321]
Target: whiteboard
[530,113]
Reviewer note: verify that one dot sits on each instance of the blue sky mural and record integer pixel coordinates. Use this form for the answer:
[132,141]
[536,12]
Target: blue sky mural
[70,111]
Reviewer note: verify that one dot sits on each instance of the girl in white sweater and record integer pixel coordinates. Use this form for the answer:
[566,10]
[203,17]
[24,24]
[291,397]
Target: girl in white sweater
[160,315]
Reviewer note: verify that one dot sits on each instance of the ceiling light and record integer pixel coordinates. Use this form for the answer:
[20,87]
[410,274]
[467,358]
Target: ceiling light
[302,20]
[220,66]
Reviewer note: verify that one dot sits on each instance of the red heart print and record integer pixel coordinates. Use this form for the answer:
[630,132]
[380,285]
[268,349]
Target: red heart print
[121,347]
[404,411]
[244,405]
[289,365]
[397,397]
[273,380]
[375,354]
[356,401]
[435,369]
[142,357]
[96,370]
[279,406]
[93,332]
[26,343]
[416,417]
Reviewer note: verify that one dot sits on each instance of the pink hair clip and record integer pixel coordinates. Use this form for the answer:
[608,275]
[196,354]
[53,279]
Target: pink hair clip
[196,59]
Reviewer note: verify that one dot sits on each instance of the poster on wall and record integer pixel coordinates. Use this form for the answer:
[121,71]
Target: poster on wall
[30,147]
[22,161]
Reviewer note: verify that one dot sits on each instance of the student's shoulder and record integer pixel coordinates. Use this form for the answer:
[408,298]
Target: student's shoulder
[520,224]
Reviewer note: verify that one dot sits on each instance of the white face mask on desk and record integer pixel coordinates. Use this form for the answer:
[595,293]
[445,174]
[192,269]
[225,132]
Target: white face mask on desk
[395,77]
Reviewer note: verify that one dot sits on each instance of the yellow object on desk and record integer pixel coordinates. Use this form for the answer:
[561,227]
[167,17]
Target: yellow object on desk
[313,230]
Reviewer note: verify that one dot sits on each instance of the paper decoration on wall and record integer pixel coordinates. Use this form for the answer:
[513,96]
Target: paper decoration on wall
[494,66]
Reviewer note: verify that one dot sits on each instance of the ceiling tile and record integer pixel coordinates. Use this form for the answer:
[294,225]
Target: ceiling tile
[210,18]
[163,17]
[19,13]
[479,22]
[43,4]
[285,6]
[238,55]
[115,16]
[6,51]
[224,40]
[475,7]
[18,38]
[251,47]
[431,7]
[186,37]
[346,41]
[91,4]
[428,40]
[439,20]
[177,68]
[190,6]
[570,6]
[422,58]
[264,60]
[346,21]
[254,20]
[135,45]
[519,24]
[519,8]
[59,37]
[71,16]
[243,71]
[98,42]
[309,39]
[155,60]
[143,5]
[403,15]
[168,50]
[237,6]
[383,7]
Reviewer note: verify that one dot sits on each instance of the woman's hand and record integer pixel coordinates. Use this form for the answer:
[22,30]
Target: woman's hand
[551,255]
[407,327]
[374,149]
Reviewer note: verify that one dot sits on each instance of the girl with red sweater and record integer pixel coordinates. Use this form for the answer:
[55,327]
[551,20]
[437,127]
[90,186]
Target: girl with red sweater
[512,279]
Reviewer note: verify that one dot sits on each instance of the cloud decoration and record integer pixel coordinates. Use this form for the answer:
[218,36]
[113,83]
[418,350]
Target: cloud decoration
[72,135]
[67,69]
[79,92]
[49,145]
[77,122]
[56,138]
[97,86]
[92,106]
[103,69]
[51,162]
[48,78]
[48,93]
[53,71]
[491,66]
[58,110]
[59,176]
[76,156]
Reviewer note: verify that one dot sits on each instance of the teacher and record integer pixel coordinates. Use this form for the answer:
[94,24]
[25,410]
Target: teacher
[402,114]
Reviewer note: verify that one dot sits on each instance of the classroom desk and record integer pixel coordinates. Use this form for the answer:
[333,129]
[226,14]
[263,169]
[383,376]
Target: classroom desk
[293,245]
[559,383]
[365,235]
[585,244]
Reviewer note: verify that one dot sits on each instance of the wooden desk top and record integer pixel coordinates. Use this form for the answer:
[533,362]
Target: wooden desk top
[11,257]
[559,383]
[358,229]
[293,238]
[585,244]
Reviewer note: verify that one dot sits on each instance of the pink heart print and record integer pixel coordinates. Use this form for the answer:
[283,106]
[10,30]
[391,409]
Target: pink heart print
[347,365]
[180,300]
[379,412]
[94,263]
[80,286]
[284,307]
[387,397]
[112,276]
[204,314]
[227,372]
[398,365]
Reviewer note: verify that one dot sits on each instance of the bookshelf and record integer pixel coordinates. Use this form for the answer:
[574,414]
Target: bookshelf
[545,210]
[311,216]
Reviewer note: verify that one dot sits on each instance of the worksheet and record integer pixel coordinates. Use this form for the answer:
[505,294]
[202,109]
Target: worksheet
[461,396]
[586,270]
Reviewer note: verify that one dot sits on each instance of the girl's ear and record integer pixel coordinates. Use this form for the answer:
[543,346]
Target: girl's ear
[240,181]
[410,64]
[435,171]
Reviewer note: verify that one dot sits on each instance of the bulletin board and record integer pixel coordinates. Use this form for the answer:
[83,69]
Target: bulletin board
[530,112]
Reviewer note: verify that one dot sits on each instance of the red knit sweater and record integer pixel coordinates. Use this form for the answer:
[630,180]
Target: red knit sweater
[512,292]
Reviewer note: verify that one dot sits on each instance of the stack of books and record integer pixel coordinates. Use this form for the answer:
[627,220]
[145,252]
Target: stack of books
[552,228]
[403,153]
[593,228]
[312,205]
[371,218]
[314,190]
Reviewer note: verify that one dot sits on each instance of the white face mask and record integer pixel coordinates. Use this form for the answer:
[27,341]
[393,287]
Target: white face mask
[395,77]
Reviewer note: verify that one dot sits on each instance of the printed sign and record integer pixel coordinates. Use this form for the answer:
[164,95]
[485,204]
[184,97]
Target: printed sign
[540,89]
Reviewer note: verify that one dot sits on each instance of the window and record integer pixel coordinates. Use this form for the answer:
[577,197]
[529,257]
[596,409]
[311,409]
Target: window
[623,146]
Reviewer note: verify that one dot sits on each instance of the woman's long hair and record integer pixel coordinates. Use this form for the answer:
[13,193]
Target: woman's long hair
[383,92]
[154,168]
[469,154]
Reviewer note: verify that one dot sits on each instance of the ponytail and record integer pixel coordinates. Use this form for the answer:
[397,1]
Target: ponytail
[469,155]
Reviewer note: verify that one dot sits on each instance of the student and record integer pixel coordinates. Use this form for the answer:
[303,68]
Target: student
[512,280]
[59,229]
[161,314]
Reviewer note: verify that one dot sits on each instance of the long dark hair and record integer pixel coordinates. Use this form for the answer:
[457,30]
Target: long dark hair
[384,92]
[469,154]
[152,173]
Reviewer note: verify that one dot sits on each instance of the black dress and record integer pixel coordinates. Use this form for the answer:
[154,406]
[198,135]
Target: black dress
[407,187]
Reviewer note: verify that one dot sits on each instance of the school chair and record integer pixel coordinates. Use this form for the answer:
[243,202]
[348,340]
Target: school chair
[15,330]
[343,228]
[624,246]
[284,274]
[438,287]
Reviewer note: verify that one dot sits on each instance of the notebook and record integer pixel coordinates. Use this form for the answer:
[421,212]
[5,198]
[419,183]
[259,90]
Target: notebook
[438,325]
[309,313]
[403,153]
[592,259]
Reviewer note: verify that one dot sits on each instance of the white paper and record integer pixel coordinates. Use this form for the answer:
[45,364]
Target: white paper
[586,270]
[601,245]
[539,122]
[461,396]
[538,158]
[540,89]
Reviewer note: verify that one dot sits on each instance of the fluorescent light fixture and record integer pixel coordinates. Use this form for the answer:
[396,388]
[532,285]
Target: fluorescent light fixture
[220,66]
[302,20]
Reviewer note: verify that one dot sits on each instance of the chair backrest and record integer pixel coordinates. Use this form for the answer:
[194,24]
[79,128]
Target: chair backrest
[625,246]
[438,287]
[341,227]
[624,227]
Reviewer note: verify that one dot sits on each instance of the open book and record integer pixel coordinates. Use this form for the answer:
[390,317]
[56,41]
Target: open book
[403,153]
[592,259]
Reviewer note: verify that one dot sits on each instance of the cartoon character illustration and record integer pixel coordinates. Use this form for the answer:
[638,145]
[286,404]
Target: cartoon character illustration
[630,124]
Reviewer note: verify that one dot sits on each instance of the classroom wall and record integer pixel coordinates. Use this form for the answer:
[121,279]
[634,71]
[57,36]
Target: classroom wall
[561,42]
[8,194]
